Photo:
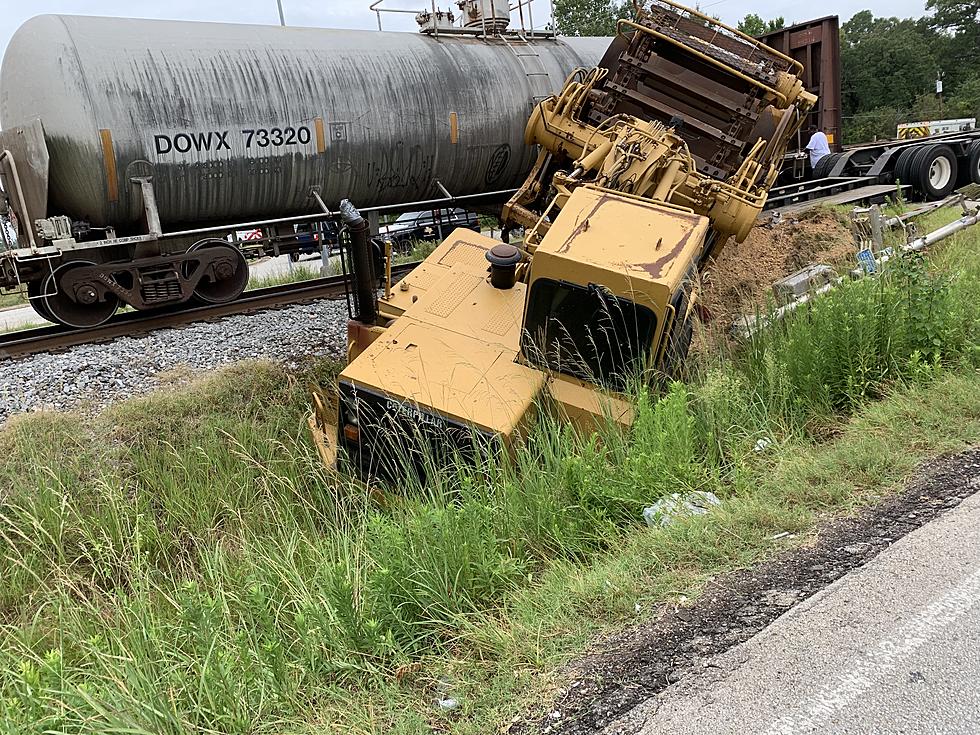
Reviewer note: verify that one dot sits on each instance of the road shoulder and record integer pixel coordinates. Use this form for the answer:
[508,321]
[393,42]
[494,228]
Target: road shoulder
[610,686]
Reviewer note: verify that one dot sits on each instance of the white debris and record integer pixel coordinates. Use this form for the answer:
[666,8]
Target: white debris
[667,509]
[762,445]
[449,704]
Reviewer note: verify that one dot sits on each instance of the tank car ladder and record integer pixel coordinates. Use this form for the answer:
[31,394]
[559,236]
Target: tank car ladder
[530,61]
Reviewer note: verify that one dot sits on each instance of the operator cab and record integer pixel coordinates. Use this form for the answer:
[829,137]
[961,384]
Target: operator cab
[598,283]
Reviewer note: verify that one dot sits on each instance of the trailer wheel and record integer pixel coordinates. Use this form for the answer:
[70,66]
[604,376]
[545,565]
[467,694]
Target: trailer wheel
[972,160]
[934,171]
[824,165]
[902,163]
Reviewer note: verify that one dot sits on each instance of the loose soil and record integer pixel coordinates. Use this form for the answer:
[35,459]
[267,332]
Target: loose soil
[644,660]
[741,278]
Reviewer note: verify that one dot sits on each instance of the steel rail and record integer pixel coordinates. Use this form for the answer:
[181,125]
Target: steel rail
[48,339]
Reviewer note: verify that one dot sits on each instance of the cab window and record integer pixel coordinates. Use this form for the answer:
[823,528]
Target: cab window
[587,332]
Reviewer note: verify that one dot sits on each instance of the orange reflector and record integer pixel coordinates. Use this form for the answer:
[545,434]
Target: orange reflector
[352,433]
[109,164]
[321,139]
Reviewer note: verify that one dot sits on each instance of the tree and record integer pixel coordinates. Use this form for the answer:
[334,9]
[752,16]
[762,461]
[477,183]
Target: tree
[957,24]
[877,124]
[754,25]
[886,62]
[965,102]
[957,16]
[590,17]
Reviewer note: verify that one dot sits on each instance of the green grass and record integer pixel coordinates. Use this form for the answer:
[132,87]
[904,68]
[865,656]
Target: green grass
[295,274]
[13,298]
[418,250]
[184,564]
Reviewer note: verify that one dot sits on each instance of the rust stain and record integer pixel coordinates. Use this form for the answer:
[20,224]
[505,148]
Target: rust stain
[655,269]
[583,226]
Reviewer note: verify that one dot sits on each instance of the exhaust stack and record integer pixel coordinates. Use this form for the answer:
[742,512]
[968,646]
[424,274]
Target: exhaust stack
[362,263]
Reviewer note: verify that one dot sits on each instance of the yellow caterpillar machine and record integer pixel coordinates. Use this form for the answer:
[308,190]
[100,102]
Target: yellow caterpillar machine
[648,165]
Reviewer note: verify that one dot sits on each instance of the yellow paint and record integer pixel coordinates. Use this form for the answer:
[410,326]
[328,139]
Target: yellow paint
[109,164]
[454,347]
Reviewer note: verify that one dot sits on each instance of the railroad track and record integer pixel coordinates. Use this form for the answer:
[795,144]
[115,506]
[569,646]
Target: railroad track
[56,337]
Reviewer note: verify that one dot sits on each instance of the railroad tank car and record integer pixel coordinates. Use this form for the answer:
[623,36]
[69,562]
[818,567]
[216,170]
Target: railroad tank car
[239,122]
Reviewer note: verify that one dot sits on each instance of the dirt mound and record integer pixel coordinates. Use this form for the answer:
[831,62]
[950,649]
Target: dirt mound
[741,278]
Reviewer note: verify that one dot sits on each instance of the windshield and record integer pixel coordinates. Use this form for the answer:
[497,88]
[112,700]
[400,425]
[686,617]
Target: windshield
[587,332]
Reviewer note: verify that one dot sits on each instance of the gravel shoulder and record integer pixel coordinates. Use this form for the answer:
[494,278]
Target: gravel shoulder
[95,375]
[613,690]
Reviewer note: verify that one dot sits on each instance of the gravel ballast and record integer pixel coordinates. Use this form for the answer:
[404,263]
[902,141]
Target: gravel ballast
[95,375]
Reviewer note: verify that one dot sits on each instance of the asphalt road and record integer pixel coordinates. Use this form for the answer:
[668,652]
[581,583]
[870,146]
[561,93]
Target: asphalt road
[893,647]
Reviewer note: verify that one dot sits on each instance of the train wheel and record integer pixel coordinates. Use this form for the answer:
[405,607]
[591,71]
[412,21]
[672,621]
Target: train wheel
[81,312]
[34,290]
[934,171]
[226,278]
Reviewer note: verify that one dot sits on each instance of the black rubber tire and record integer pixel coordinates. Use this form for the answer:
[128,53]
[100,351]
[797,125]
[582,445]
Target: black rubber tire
[911,169]
[922,166]
[902,164]
[824,165]
[971,164]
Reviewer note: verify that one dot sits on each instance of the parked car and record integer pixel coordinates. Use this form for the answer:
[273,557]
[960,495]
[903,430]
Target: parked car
[310,237]
[430,225]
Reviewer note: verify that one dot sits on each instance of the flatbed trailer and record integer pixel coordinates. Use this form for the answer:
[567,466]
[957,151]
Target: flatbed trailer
[926,169]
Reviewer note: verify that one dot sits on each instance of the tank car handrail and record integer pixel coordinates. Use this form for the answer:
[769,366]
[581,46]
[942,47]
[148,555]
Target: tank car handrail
[320,215]
[6,155]
[378,11]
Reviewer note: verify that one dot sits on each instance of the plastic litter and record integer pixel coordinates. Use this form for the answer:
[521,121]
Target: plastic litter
[665,510]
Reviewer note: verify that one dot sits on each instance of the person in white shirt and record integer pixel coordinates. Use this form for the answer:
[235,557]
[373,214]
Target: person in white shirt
[818,147]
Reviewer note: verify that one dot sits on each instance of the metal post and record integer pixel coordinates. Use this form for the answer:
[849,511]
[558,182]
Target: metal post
[388,253]
[282,16]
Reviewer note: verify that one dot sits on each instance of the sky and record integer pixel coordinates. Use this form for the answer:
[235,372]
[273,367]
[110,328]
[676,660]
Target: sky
[355,13]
